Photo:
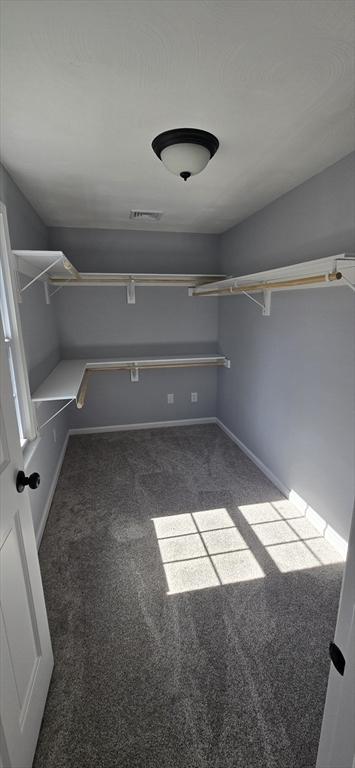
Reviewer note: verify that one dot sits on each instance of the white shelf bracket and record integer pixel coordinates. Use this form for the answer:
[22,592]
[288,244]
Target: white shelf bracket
[131,292]
[266,306]
[348,282]
[227,362]
[56,413]
[134,374]
[52,293]
[18,284]
[47,295]
[266,311]
[40,274]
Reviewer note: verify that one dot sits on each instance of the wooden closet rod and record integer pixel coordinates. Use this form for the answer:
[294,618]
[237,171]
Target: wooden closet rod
[137,279]
[257,287]
[70,267]
[83,389]
[142,366]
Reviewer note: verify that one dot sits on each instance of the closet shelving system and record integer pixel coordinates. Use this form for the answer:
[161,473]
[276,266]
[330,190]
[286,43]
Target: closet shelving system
[324,272]
[70,378]
[57,272]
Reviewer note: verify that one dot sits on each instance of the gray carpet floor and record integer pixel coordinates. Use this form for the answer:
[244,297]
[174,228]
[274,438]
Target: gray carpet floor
[205,660]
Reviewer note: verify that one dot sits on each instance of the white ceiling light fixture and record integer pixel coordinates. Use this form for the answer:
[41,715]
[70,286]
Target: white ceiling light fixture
[185,151]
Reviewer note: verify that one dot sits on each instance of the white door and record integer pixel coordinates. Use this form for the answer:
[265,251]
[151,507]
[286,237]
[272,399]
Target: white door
[26,659]
[337,741]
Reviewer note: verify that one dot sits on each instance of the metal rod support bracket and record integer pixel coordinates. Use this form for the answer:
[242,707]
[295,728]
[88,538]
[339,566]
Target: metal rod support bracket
[47,295]
[266,311]
[134,374]
[266,306]
[52,293]
[131,292]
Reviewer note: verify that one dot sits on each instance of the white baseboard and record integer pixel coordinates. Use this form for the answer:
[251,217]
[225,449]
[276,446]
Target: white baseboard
[320,524]
[47,507]
[142,425]
[314,517]
[265,470]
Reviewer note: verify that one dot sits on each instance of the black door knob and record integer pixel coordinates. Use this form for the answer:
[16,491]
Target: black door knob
[32,481]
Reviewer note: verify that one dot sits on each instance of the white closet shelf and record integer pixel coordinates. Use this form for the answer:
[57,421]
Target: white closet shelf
[85,279]
[332,270]
[57,271]
[63,383]
[45,264]
[55,267]
[66,379]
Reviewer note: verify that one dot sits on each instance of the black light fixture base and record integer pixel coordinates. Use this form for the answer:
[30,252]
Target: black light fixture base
[185,175]
[185,136]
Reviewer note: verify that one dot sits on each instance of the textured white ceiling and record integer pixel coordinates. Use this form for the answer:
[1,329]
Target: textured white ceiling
[87,84]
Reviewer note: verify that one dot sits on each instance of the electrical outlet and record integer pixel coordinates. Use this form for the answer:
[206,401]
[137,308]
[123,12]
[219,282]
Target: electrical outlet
[194,397]
[54,434]
[171,398]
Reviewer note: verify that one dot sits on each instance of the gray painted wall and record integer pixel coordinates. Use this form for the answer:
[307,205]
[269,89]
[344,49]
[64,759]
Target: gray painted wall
[289,395]
[26,228]
[314,220]
[112,250]
[40,339]
[39,332]
[99,322]
[113,399]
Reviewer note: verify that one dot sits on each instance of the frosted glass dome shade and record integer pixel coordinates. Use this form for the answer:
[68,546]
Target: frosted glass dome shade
[185,151]
[188,159]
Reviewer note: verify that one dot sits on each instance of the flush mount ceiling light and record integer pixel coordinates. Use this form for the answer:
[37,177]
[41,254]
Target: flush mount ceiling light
[185,151]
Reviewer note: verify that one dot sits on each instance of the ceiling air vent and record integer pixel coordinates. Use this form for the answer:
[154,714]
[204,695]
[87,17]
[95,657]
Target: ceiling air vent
[146,215]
